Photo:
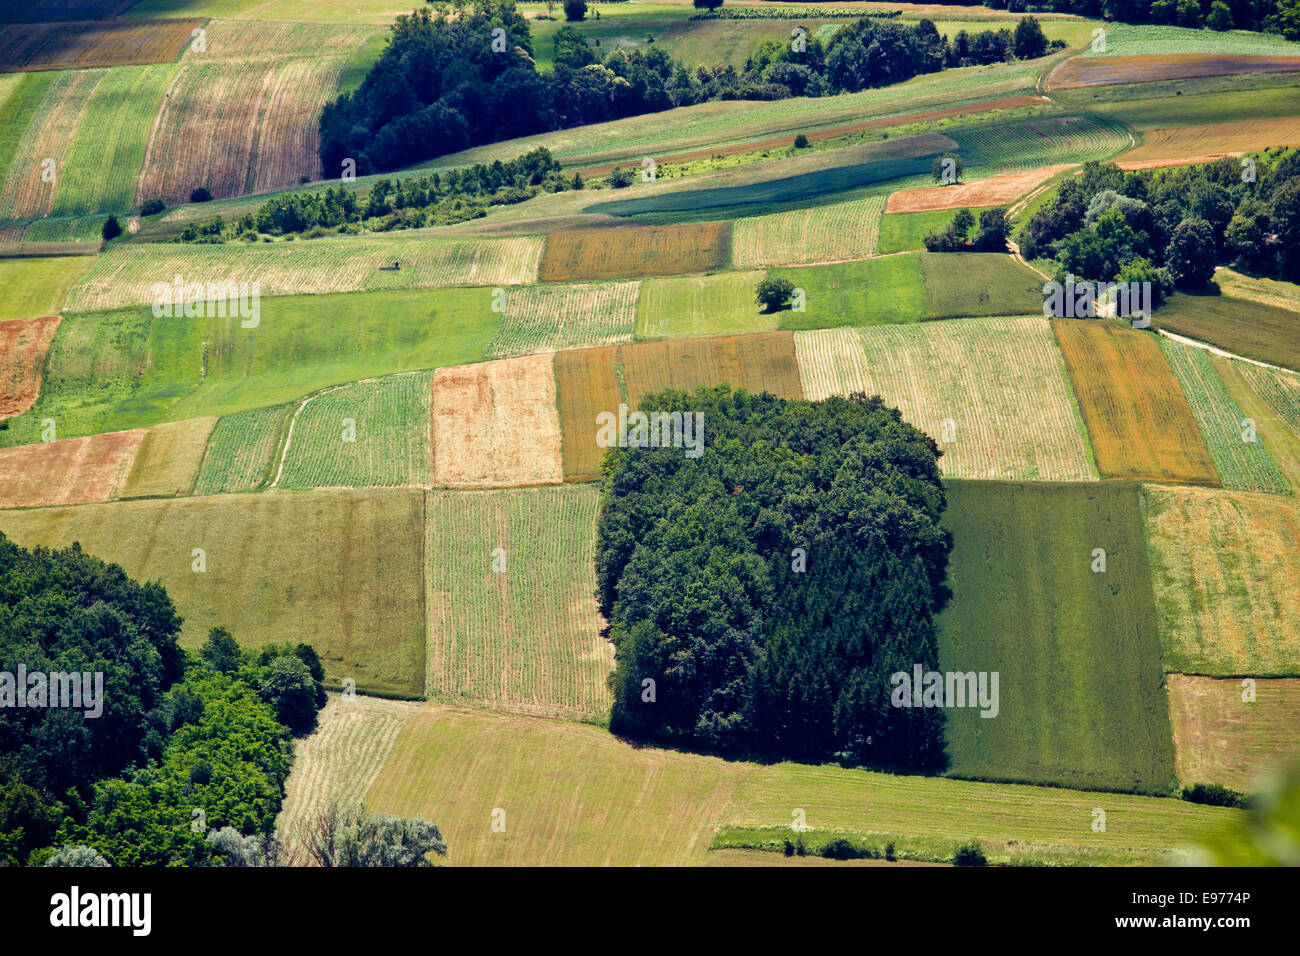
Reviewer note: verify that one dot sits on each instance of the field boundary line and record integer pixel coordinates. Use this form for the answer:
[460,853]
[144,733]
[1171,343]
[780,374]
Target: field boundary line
[1197,343]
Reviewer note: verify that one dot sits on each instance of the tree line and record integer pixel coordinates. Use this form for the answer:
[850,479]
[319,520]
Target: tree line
[446,83]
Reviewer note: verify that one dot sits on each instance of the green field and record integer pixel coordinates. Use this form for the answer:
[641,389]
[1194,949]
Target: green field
[552,316]
[65,229]
[337,569]
[20,108]
[870,292]
[1266,333]
[511,601]
[126,366]
[243,451]
[719,304]
[904,231]
[565,790]
[107,150]
[373,433]
[1240,458]
[1128,39]
[1081,686]
[959,284]
[33,287]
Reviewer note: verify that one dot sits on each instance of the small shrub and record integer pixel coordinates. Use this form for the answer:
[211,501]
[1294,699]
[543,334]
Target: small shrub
[1212,795]
[201,194]
[801,141]
[152,207]
[619,178]
[788,849]
[112,228]
[970,854]
[890,853]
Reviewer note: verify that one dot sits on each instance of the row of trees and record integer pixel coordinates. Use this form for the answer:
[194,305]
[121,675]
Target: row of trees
[1173,226]
[761,595]
[445,83]
[1268,16]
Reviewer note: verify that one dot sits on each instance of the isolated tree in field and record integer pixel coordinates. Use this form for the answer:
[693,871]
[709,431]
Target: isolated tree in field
[112,228]
[774,293]
[947,169]
[352,836]
[970,854]
[1030,43]
[801,141]
[1191,253]
[575,10]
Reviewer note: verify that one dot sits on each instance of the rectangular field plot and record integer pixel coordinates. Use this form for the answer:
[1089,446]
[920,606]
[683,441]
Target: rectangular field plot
[979,283]
[1266,333]
[494,425]
[1105,70]
[756,363]
[168,459]
[1226,569]
[372,433]
[546,318]
[965,383]
[635,252]
[1082,700]
[586,384]
[85,44]
[23,347]
[722,304]
[1214,139]
[67,472]
[889,289]
[512,611]
[125,275]
[1000,190]
[340,570]
[32,287]
[1140,423]
[243,451]
[1269,423]
[1240,458]
[1219,738]
[820,234]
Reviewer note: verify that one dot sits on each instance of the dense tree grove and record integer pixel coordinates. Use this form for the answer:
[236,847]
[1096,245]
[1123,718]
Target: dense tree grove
[990,236]
[185,743]
[446,82]
[761,593]
[1172,226]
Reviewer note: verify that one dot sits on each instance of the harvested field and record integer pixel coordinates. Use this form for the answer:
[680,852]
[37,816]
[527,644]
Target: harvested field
[237,127]
[756,363]
[964,383]
[243,451]
[1226,569]
[373,433]
[833,132]
[1105,70]
[961,284]
[1205,143]
[248,39]
[1251,329]
[28,191]
[341,570]
[546,318]
[1283,295]
[1081,701]
[23,346]
[636,252]
[168,460]
[494,425]
[565,789]
[1138,418]
[86,44]
[339,760]
[68,472]
[586,384]
[1240,457]
[1220,738]
[819,234]
[998,190]
[512,609]
[125,274]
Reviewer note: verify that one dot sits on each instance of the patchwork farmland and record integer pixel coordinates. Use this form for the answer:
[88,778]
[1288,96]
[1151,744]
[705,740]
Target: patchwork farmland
[386,447]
